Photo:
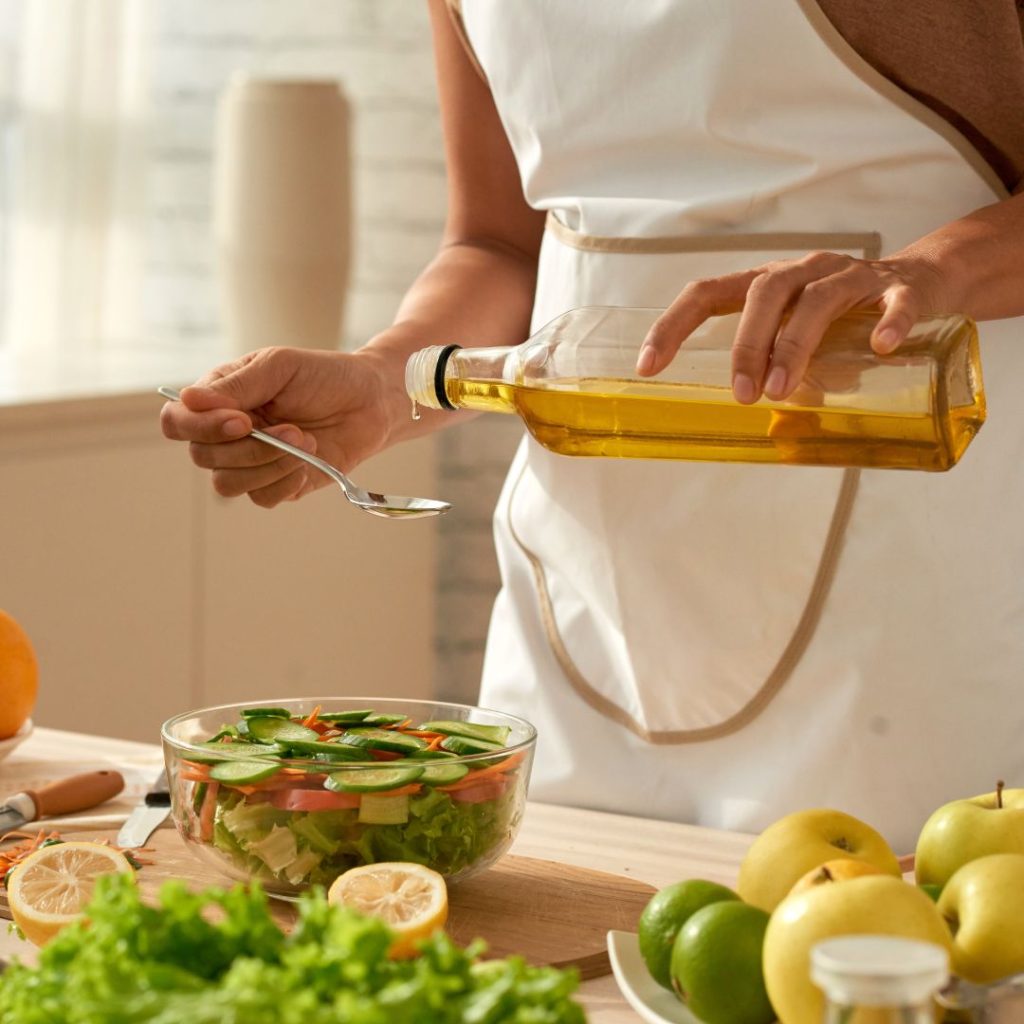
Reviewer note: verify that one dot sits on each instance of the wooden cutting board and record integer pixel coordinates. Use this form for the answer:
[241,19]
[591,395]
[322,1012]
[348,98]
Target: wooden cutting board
[546,912]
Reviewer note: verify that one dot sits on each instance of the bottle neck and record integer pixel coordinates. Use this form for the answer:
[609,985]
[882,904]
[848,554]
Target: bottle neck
[840,1013]
[879,979]
[425,376]
[450,377]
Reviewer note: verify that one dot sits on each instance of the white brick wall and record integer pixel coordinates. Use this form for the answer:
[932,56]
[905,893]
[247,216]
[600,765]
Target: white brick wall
[380,51]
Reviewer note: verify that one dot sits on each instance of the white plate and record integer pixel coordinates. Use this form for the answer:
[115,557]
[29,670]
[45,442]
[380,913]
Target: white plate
[7,746]
[655,1004]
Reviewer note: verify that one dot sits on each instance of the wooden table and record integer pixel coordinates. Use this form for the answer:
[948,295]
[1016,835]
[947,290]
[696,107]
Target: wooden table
[657,852]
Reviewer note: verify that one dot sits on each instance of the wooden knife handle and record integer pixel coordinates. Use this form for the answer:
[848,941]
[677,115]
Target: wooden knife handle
[77,793]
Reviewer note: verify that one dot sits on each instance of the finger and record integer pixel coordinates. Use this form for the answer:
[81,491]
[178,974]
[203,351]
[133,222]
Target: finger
[818,304]
[241,386]
[250,453]
[287,488]
[770,294]
[692,306]
[900,311]
[180,423]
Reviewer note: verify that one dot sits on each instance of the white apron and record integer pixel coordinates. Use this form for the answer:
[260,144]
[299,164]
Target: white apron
[745,640]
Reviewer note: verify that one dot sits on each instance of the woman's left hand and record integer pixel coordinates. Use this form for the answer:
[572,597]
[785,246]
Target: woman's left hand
[770,356]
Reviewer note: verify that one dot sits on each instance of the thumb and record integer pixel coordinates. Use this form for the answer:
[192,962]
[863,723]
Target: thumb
[245,384]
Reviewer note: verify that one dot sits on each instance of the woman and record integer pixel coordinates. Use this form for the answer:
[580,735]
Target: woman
[746,640]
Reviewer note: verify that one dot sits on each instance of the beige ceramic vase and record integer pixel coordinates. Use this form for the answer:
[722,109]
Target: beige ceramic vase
[281,218]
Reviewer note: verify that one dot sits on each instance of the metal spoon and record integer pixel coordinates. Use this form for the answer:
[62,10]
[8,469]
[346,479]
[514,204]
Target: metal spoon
[387,505]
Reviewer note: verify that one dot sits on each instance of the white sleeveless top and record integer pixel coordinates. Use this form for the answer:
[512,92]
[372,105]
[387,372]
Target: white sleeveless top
[750,639]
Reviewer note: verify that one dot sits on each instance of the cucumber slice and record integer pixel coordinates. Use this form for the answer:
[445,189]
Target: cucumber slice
[383,739]
[465,745]
[432,755]
[328,751]
[379,809]
[471,730]
[441,774]
[381,720]
[282,730]
[241,773]
[372,780]
[266,713]
[222,751]
[345,716]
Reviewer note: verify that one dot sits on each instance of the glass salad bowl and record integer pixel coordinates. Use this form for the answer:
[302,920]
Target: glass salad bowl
[294,792]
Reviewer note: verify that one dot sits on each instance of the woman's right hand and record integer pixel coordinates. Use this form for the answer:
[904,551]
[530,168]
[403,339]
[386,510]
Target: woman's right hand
[338,405]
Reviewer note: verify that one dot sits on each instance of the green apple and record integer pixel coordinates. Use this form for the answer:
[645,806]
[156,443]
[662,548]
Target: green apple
[871,905]
[964,830]
[785,851]
[983,904]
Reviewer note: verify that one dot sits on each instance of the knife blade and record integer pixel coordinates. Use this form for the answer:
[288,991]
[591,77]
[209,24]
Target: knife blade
[148,816]
[65,796]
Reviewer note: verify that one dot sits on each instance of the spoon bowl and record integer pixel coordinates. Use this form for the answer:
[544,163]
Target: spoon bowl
[389,506]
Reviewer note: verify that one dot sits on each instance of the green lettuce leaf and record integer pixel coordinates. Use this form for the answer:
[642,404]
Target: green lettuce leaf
[176,963]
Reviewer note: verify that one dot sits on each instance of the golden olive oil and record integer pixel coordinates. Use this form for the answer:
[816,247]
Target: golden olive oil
[574,384]
[645,420]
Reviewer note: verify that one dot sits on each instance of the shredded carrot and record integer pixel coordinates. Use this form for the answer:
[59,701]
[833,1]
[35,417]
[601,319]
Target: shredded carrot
[428,734]
[411,790]
[32,841]
[207,811]
[313,716]
[435,743]
[491,773]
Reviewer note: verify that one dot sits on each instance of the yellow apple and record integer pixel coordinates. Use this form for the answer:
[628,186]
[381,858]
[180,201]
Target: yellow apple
[873,905]
[964,830]
[840,870]
[786,850]
[983,903]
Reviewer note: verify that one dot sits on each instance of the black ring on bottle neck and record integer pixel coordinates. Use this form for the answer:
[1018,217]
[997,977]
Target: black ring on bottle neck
[442,365]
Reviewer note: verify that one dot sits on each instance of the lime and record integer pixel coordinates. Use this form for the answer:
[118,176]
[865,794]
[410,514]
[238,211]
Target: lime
[666,912]
[716,964]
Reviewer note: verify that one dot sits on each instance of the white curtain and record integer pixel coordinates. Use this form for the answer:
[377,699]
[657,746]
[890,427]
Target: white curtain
[77,199]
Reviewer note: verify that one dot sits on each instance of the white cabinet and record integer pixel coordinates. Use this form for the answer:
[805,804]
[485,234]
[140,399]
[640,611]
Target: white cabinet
[146,594]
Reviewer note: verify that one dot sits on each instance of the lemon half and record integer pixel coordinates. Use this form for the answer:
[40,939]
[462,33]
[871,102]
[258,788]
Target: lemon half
[49,888]
[410,898]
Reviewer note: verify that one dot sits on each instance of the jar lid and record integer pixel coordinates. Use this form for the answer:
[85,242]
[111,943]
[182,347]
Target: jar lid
[878,970]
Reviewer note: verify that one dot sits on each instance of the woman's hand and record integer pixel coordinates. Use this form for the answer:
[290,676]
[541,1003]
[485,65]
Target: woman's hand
[337,405]
[770,355]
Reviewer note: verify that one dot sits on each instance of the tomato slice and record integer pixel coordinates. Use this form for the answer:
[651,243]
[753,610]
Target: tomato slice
[313,800]
[480,793]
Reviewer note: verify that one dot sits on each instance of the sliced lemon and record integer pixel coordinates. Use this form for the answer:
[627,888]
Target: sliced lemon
[410,898]
[49,888]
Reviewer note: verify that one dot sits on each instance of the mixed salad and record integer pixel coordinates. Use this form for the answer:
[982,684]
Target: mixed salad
[296,801]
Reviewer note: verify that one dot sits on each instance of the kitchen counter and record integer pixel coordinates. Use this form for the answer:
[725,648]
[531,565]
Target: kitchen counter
[656,852]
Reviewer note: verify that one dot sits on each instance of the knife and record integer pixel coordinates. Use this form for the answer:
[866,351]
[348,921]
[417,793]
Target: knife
[77,793]
[147,817]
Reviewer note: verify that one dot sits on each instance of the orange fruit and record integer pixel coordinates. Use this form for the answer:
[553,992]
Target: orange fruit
[19,676]
[839,870]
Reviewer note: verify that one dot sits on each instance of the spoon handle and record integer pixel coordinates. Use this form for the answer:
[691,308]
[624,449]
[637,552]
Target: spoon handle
[324,467]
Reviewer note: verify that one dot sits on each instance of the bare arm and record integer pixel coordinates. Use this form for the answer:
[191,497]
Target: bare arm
[973,265]
[479,288]
[346,406]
